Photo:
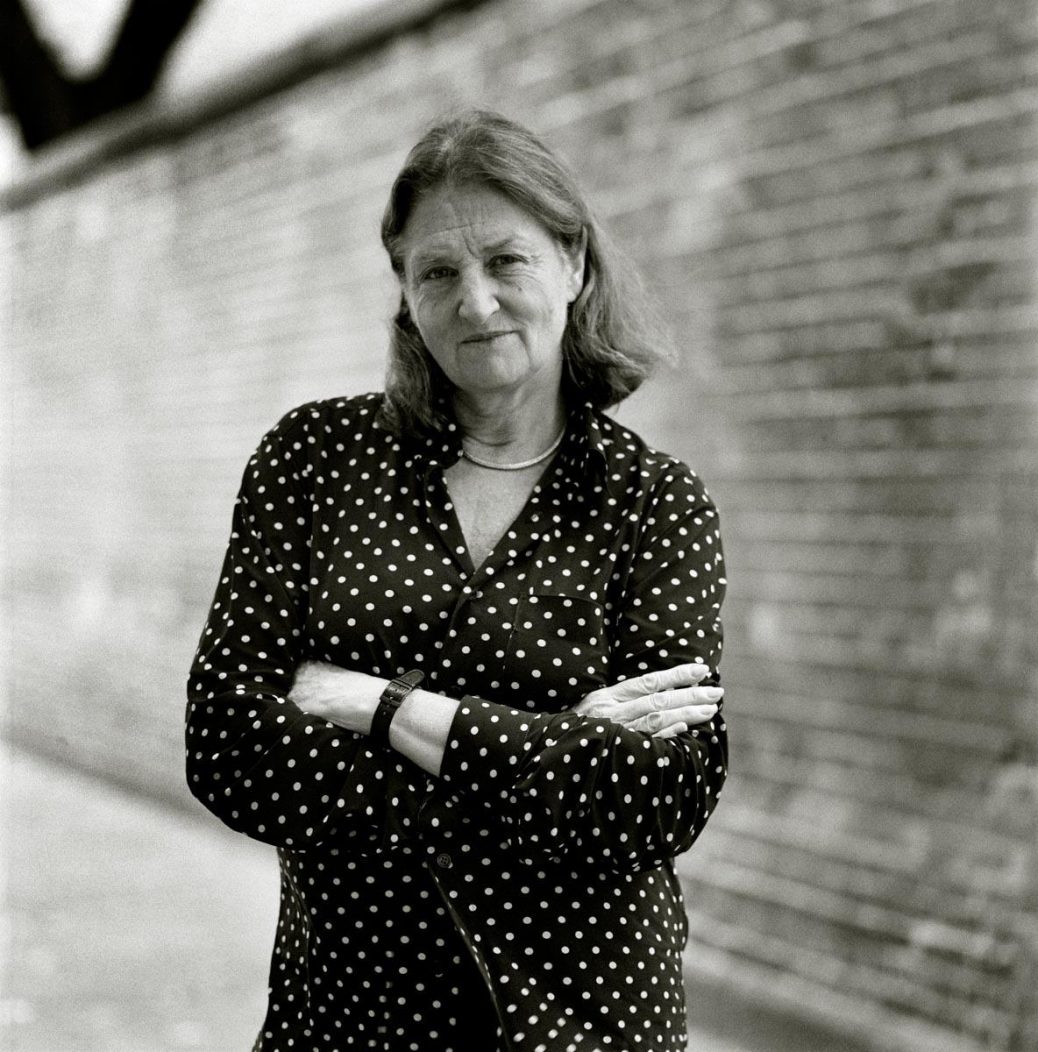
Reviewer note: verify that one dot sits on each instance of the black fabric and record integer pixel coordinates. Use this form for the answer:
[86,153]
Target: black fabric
[532,882]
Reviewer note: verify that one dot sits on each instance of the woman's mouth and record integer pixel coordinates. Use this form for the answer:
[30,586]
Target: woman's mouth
[486,337]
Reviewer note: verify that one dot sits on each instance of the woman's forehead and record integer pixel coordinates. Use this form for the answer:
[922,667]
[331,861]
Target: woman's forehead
[469,217]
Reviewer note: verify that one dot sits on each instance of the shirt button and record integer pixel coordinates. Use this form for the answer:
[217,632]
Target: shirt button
[444,861]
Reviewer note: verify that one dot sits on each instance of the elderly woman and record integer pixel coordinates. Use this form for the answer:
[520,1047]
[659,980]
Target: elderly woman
[461,665]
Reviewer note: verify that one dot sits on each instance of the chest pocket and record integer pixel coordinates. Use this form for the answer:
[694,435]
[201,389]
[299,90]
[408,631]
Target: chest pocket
[558,649]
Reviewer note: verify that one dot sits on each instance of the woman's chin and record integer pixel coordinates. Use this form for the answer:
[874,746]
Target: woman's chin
[499,374]
[493,377]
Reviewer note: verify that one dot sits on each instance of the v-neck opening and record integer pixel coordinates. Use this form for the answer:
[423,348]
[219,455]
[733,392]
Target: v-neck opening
[463,550]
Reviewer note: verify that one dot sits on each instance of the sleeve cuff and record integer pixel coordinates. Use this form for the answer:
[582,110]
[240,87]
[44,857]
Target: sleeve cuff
[487,744]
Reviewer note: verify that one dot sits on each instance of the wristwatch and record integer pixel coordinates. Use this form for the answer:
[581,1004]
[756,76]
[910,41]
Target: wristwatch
[389,702]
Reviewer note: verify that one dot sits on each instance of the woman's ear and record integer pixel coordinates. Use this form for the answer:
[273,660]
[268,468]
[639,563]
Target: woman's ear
[576,257]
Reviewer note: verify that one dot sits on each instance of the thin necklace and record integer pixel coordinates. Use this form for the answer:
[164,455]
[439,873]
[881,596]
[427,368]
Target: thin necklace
[522,463]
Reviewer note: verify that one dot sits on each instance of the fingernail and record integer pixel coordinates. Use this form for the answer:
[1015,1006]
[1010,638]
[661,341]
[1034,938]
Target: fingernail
[714,692]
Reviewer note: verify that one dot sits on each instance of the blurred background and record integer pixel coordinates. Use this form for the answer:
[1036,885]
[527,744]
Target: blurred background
[833,202]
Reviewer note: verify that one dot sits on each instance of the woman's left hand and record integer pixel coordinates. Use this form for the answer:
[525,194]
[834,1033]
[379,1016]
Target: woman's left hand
[662,703]
[339,695]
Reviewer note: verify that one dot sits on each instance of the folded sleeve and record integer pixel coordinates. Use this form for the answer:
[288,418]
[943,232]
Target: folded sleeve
[568,785]
[258,762]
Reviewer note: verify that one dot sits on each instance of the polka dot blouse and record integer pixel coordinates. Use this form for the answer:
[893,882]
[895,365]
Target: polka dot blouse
[525,899]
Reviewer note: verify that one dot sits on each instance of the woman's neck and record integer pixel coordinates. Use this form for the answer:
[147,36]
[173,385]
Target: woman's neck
[511,425]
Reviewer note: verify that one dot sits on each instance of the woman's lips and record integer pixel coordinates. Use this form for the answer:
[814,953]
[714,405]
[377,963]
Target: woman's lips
[486,337]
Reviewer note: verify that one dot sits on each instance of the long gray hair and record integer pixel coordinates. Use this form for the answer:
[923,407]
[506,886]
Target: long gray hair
[612,339]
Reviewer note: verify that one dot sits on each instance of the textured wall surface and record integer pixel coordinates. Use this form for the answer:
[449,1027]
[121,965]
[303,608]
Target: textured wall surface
[833,202]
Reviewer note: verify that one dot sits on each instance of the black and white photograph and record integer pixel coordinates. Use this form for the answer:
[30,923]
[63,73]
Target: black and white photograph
[519,526]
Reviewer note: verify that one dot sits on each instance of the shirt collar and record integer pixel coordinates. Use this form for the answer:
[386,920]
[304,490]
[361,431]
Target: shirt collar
[585,448]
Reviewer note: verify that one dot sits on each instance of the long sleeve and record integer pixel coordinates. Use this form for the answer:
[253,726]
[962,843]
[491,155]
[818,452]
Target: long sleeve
[334,555]
[254,758]
[574,786]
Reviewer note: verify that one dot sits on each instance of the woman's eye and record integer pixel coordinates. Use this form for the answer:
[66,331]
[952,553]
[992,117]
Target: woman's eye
[505,260]
[435,273]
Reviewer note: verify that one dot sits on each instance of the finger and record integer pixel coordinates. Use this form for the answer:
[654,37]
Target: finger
[654,722]
[706,696]
[666,701]
[682,697]
[672,678]
[697,714]
[660,680]
[672,731]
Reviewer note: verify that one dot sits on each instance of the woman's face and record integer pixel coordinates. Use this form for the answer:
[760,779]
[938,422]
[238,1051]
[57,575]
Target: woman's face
[488,288]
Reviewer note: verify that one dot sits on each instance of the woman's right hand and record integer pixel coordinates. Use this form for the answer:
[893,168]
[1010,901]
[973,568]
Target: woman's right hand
[663,703]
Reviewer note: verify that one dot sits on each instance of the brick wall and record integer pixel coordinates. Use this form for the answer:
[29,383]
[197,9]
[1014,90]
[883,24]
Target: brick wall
[833,202]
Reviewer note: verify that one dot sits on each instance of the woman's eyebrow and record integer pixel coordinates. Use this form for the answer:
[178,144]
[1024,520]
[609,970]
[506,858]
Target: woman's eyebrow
[437,254]
[511,241]
[444,254]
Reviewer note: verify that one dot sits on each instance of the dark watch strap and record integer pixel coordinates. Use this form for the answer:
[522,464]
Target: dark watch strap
[392,696]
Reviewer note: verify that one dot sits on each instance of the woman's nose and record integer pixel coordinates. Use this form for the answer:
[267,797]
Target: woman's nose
[478,299]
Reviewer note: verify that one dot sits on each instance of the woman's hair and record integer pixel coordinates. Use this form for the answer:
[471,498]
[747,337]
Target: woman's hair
[612,339]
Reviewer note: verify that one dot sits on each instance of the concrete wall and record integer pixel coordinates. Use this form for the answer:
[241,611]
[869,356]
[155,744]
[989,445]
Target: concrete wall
[833,203]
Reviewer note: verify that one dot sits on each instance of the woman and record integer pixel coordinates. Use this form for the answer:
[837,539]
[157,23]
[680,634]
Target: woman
[481,861]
